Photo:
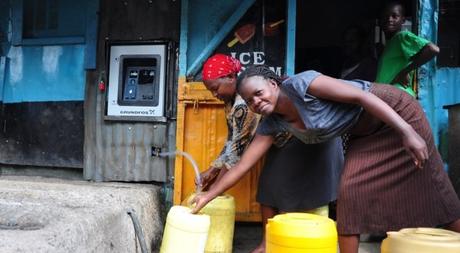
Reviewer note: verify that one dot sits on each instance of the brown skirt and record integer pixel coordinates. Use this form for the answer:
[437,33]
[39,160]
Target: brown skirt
[380,188]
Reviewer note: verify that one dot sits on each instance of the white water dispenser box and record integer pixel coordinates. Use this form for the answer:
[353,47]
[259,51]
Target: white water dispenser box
[136,87]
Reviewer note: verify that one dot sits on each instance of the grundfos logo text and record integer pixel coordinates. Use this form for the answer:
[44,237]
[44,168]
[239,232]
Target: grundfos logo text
[135,112]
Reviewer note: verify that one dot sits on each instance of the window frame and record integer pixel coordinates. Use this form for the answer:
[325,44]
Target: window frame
[89,38]
[19,40]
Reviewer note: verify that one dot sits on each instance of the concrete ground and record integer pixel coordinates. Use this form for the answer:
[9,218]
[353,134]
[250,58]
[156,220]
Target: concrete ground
[248,235]
[53,215]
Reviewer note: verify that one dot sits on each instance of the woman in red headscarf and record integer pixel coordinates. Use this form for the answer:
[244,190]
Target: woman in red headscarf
[219,76]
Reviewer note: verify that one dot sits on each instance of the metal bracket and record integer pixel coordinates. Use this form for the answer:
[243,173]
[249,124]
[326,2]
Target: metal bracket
[155,151]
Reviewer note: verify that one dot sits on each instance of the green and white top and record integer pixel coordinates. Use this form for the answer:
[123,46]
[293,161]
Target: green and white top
[397,55]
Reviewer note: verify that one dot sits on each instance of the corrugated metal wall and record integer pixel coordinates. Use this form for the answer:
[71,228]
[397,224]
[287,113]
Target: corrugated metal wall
[121,151]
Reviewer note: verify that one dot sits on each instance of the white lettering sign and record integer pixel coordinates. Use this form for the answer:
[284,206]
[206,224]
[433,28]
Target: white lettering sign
[255,58]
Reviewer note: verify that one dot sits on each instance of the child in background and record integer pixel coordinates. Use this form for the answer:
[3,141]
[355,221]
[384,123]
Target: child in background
[404,51]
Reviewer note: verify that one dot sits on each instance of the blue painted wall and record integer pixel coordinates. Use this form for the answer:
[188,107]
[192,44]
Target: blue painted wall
[42,81]
[47,70]
[445,92]
[44,73]
[438,86]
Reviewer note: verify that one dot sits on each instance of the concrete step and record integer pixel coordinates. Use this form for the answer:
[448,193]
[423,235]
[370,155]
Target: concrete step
[53,215]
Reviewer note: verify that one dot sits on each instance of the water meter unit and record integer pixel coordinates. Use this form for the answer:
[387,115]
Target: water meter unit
[137,81]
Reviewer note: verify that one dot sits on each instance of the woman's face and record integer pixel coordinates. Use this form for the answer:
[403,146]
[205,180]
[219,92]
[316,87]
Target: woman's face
[260,94]
[223,88]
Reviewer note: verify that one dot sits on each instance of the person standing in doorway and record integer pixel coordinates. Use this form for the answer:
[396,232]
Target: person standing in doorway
[404,51]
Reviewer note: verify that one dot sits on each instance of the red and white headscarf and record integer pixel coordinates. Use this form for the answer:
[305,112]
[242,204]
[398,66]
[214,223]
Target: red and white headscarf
[220,65]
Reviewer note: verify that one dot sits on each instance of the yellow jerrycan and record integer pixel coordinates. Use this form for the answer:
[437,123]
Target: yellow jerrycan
[221,210]
[301,233]
[421,240]
[185,232]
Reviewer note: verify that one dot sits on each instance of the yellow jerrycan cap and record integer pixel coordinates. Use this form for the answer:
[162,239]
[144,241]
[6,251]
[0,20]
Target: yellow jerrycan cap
[302,230]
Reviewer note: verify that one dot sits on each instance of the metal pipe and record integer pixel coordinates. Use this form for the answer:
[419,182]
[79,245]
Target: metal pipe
[138,230]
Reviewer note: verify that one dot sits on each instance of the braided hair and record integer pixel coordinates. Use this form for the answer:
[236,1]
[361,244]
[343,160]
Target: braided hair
[258,70]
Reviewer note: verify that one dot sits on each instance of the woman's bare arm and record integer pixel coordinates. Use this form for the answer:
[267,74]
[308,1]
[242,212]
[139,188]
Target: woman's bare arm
[336,90]
[255,151]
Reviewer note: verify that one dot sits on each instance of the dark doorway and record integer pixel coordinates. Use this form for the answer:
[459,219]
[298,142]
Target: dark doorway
[320,25]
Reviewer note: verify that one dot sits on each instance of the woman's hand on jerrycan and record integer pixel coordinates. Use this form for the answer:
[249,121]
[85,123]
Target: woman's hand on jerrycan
[208,177]
[199,201]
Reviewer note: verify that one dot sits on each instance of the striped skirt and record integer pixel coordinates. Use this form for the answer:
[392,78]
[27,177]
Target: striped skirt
[380,187]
